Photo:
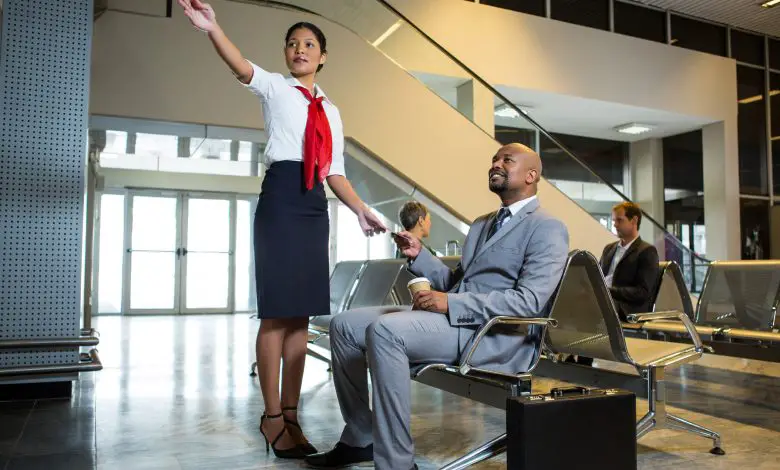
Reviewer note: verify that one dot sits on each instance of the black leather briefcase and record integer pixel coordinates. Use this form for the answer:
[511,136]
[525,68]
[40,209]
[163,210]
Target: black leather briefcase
[572,428]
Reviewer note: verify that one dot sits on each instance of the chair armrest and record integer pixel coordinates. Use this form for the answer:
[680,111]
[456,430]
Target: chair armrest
[670,315]
[465,365]
[643,317]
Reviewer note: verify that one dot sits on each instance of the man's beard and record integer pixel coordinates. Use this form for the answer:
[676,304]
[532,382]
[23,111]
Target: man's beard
[499,186]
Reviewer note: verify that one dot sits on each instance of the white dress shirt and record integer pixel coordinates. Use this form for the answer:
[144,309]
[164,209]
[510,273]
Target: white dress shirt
[515,208]
[621,251]
[285,111]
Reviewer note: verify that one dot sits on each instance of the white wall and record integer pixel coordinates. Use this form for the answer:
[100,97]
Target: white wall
[162,69]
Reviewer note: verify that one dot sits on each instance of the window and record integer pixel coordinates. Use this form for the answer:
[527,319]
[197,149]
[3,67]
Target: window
[155,145]
[774,232]
[699,36]
[747,47]
[591,13]
[684,185]
[751,131]
[605,157]
[640,22]
[116,142]
[776,166]
[774,103]
[532,7]
[245,152]
[507,135]
[774,93]
[683,165]
[210,149]
[351,243]
[754,228]
[243,258]
[111,230]
[774,54]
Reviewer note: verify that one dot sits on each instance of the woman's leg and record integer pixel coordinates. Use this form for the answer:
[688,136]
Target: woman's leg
[270,341]
[294,361]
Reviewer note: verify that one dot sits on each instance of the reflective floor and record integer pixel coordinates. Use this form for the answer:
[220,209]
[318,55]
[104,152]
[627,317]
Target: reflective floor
[176,393]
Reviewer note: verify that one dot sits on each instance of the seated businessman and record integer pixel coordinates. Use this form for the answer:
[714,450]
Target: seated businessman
[630,265]
[512,262]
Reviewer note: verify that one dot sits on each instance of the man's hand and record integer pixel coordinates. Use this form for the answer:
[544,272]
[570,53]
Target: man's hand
[408,244]
[431,301]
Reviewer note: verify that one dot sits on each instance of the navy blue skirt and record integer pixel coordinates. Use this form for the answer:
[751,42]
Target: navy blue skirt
[291,245]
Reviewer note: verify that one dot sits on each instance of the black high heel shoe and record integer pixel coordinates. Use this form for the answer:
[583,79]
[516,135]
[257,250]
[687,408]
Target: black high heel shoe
[307,448]
[291,453]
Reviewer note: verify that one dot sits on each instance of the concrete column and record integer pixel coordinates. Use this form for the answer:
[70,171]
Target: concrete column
[646,186]
[721,190]
[476,103]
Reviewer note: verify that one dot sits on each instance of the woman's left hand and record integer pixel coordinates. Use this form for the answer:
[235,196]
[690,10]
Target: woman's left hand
[370,223]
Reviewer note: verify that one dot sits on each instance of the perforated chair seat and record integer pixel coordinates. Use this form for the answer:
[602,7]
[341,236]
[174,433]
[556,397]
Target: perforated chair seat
[646,352]
[321,322]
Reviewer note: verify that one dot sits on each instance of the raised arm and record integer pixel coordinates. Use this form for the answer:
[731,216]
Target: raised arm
[202,16]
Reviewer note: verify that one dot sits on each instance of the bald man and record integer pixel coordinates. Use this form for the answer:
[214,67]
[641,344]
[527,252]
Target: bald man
[512,262]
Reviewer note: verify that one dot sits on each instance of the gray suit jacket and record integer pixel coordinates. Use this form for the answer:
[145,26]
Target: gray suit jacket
[515,273]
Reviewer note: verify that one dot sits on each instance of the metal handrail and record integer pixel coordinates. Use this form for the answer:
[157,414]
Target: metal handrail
[92,365]
[48,342]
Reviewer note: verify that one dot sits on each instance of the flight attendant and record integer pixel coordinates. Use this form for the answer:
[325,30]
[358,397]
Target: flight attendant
[305,149]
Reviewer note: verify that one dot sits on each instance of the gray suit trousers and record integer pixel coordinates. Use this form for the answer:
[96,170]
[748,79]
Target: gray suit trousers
[391,338]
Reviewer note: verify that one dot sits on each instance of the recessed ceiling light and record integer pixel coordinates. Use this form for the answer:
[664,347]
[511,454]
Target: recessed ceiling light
[770,3]
[635,128]
[504,110]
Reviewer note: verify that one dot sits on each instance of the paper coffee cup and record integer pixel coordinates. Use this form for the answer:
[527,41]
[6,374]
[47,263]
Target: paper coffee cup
[418,284]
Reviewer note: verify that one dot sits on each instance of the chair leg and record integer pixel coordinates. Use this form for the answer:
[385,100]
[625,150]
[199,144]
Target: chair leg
[684,425]
[311,350]
[658,418]
[487,450]
[645,425]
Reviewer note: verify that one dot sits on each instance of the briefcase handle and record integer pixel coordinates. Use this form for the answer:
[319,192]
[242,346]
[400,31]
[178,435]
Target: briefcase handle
[564,391]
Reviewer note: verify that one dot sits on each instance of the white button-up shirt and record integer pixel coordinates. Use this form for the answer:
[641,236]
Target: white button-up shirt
[619,253]
[515,208]
[285,111]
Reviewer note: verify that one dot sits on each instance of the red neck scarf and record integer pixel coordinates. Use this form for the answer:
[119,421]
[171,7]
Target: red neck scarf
[317,141]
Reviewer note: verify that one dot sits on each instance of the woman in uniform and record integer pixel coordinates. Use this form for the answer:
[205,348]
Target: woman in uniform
[305,149]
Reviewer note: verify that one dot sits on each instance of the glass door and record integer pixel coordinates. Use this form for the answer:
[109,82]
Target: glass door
[152,253]
[207,262]
[175,253]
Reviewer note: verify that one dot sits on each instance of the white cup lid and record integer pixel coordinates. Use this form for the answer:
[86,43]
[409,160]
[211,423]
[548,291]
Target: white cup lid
[416,280]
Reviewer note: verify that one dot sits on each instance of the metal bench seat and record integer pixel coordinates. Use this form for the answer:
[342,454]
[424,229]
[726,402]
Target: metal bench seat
[647,353]
[588,325]
[736,314]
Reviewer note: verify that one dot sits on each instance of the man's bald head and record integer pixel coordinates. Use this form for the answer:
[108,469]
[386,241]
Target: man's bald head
[515,172]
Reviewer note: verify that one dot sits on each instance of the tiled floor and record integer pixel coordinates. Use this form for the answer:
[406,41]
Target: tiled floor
[175,393]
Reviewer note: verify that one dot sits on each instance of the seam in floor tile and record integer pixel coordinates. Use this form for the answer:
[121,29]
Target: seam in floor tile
[21,433]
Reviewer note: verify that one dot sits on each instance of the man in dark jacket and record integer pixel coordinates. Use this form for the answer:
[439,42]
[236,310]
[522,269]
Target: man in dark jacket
[630,265]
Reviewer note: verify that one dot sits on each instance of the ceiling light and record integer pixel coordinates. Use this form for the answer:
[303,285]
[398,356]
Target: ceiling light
[770,3]
[504,110]
[634,128]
